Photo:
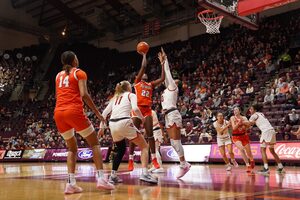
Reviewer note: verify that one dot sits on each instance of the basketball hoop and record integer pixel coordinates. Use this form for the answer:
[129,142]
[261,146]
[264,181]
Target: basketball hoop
[211,20]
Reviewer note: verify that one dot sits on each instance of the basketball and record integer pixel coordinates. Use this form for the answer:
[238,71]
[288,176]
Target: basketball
[142,47]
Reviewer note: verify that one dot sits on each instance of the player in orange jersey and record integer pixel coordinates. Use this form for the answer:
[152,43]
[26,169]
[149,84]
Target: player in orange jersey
[71,91]
[143,91]
[240,137]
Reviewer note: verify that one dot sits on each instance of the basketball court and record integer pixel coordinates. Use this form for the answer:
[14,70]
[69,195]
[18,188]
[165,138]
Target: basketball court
[47,181]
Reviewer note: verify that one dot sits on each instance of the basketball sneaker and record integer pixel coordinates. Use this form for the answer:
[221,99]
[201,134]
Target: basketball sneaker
[235,164]
[252,164]
[155,163]
[183,170]
[130,165]
[264,171]
[114,180]
[148,178]
[71,189]
[102,183]
[280,170]
[159,170]
[151,169]
[228,167]
[249,168]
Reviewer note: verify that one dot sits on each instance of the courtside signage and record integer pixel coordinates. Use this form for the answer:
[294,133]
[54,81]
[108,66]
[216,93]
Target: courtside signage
[13,154]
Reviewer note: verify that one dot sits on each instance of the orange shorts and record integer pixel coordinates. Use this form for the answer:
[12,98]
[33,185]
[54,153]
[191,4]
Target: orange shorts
[145,110]
[68,120]
[244,139]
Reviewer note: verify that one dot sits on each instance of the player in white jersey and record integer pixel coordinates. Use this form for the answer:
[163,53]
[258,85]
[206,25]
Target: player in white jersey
[159,139]
[121,127]
[173,119]
[224,139]
[267,138]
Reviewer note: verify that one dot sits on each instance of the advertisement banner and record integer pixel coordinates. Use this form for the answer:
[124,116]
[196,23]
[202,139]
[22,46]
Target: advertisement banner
[193,153]
[215,153]
[13,154]
[2,153]
[34,154]
[286,151]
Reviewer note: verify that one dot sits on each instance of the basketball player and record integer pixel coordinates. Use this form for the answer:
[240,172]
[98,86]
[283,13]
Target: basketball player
[143,91]
[240,137]
[121,126]
[71,91]
[267,138]
[159,139]
[173,120]
[223,139]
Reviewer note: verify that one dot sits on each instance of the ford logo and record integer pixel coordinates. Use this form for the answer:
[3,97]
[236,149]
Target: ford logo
[85,154]
[171,153]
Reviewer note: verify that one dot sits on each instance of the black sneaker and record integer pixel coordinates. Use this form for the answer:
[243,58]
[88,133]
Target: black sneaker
[264,171]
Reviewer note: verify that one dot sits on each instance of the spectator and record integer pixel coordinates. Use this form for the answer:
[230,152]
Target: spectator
[204,134]
[269,98]
[250,89]
[292,118]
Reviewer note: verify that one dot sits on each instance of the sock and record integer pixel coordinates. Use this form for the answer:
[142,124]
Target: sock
[153,155]
[113,173]
[99,173]
[182,163]
[144,171]
[131,157]
[71,179]
[266,166]
[280,166]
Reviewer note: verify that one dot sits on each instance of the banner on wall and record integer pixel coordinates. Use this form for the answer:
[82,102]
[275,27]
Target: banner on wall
[34,154]
[286,151]
[13,154]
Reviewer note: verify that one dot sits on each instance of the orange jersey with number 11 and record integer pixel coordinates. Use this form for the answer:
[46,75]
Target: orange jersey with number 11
[67,90]
[143,91]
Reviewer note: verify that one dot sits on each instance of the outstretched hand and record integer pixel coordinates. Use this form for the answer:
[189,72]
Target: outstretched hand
[162,56]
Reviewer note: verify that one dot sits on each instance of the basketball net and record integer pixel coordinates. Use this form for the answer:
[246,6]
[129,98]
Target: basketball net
[211,20]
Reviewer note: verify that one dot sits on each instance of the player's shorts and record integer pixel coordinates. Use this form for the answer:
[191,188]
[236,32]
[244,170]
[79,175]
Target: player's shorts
[223,141]
[172,118]
[69,120]
[244,139]
[145,110]
[268,137]
[157,134]
[123,129]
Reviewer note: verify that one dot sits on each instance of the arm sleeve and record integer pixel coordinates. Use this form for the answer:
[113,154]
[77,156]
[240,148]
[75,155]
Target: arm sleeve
[81,75]
[105,113]
[169,81]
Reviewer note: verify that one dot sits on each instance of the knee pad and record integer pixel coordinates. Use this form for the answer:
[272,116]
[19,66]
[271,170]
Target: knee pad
[176,144]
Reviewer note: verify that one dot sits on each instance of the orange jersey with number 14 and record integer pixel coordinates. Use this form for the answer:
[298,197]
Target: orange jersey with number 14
[67,90]
[143,91]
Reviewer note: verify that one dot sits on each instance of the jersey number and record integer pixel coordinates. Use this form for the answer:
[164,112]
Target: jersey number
[64,81]
[145,93]
[118,100]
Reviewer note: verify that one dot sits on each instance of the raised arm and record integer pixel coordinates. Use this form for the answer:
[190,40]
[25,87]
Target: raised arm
[161,79]
[142,69]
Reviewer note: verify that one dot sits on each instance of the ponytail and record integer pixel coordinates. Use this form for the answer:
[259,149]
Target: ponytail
[121,88]
[67,59]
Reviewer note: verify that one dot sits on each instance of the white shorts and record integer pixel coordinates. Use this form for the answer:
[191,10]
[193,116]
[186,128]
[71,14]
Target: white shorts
[157,134]
[268,137]
[123,129]
[172,118]
[224,141]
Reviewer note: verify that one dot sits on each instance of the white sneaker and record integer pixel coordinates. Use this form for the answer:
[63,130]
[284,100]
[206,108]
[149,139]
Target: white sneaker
[228,167]
[159,170]
[148,178]
[235,164]
[151,169]
[102,183]
[71,189]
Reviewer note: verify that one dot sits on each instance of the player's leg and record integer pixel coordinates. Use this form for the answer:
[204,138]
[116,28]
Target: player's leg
[263,148]
[159,160]
[137,123]
[142,144]
[93,142]
[121,149]
[231,154]
[246,144]
[277,159]
[223,154]
[241,148]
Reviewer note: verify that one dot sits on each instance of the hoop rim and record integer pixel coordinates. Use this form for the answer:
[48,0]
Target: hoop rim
[211,18]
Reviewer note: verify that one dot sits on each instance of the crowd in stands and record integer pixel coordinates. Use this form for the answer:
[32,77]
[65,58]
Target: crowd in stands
[235,68]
